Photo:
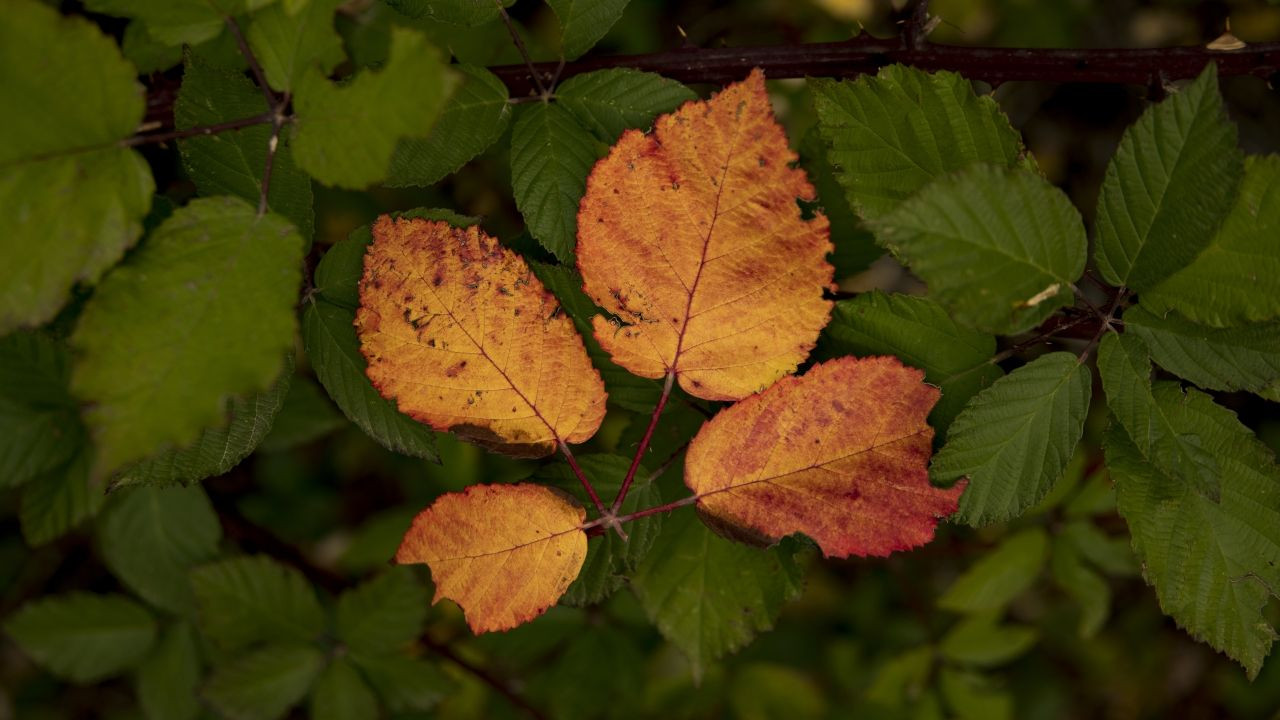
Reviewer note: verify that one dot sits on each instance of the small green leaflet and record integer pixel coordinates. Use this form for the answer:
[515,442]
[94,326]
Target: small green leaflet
[856,246]
[57,501]
[608,102]
[922,335]
[1213,565]
[1246,357]
[341,694]
[71,200]
[1089,590]
[286,44]
[40,427]
[710,596]
[981,640]
[306,415]
[1125,366]
[203,311]
[551,156]
[474,117]
[265,683]
[1168,187]
[998,248]
[890,135]
[168,680]
[345,134]
[147,54]
[1000,576]
[584,22]
[83,637]
[174,22]
[1014,439]
[1236,279]
[405,683]
[245,600]
[151,538]
[383,615]
[776,690]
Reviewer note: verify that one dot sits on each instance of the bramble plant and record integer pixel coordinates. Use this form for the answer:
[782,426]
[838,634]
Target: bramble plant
[675,310]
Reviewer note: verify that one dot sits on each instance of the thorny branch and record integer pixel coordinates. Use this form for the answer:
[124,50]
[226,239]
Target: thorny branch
[276,105]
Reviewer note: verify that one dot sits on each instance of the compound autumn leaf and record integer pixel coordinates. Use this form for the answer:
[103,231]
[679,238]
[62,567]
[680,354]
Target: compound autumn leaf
[840,454]
[461,334]
[691,237]
[505,553]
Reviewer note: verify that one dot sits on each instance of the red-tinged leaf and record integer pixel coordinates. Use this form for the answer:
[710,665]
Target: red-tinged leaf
[692,238]
[504,553]
[840,454]
[461,334]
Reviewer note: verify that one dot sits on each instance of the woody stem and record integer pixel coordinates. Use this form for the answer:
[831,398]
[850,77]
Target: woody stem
[582,477]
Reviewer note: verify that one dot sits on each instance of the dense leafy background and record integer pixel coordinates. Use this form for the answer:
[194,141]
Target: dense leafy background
[267,587]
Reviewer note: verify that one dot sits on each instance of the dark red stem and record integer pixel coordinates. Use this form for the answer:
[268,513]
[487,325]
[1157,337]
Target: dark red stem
[644,443]
[582,477]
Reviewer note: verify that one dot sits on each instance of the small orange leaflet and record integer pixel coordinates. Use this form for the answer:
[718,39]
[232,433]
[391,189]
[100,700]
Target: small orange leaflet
[840,454]
[691,236]
[505,553]
[459,332]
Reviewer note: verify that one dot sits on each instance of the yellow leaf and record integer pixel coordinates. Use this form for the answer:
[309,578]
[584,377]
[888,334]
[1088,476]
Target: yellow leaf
[692,238]
[840,454]
[459,332]
[505,553]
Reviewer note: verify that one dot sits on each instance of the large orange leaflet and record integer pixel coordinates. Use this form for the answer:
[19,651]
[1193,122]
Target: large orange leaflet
[505,553]
[459,332]
[840,454]
[692,238]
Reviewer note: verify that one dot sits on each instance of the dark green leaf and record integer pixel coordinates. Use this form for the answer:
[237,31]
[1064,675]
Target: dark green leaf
[1000,576]
[770,691]
[608,102]
[151,537]
[174,22]
[405,683]
[147,54]
[919,331]
[384,614]
[204,310]
[264,684]
[855,245]
[1236,358]
[287,43]
[981,640]
[341,694]
[551,155]
[71,201]
[307,414]
[971,696]
[1168,187]
[584,22]
[40,427]
[592,674]
[454,12]
[1014,439]
[82,637]
[475,116]
[1086,587]
[1111,554]
[889,135]
[249,599]
[167,681]
[56,501]
[999,248]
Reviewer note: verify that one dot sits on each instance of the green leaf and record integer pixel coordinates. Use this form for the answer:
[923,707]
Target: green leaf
[248,599]
[627,391]
[609,558]
[264,684]
[232,163]
[307,414]
[1236,279]
[1229,359]
[151,537]
[205,309]
[345,135]
[341,694]
[551,155]
[81,637]
[1000,576]
[709,596]
[1213,565]
[474,117]
[1014,439]
[584,22]
[218,448]
[973,697]
[455,12]
[1089,590]
[889,135]
[769,691]
[168,680]
[57,501]
[998,248]
[594,672]
[1125,366]
[1110,554]
[902,678]
[40,427]
[288,43]
[608,102]
[919,331]
[147,54]
[855,245]
[405,683]
[981,640]
[71,201]
[384,614]
[172,22]
[1168,187]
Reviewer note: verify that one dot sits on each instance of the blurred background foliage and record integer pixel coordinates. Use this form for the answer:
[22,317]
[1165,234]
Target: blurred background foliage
[1062,626]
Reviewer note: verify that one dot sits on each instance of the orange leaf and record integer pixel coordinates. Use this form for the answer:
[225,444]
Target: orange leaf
[505,553]
[691,236]
[459,332]
[840,454]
